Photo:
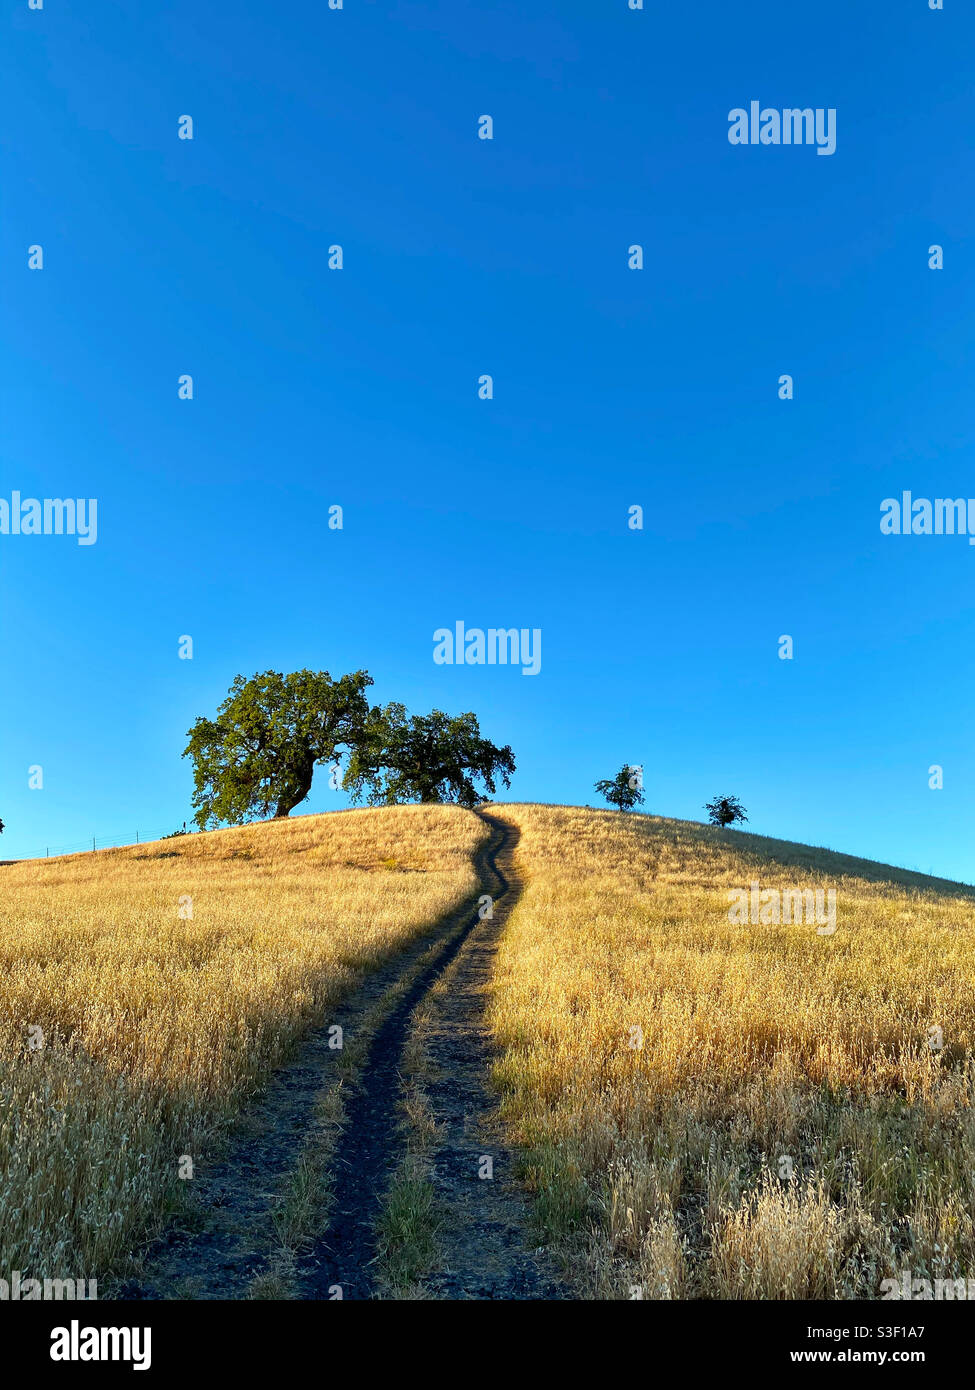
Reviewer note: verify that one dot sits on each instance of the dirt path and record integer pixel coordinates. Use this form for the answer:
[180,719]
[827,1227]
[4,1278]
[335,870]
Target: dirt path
[326,1137]
[229,1236]
[483,1236]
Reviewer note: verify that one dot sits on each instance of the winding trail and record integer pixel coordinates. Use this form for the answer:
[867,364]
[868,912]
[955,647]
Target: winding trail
[484,1250]
[228,1239]
[371,1147]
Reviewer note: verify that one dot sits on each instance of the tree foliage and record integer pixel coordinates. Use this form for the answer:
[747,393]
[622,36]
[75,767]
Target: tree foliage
[625,790]
[424,757]
[261,750]
[725,810]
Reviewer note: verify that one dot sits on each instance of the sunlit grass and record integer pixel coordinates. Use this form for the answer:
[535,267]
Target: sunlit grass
[157,1026]
[668,1070]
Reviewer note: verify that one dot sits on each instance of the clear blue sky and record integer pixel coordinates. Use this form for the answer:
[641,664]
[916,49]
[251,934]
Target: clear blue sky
[612,387]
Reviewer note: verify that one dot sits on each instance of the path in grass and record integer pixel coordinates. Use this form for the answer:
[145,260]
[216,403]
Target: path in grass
[291,1208]
[484,1249]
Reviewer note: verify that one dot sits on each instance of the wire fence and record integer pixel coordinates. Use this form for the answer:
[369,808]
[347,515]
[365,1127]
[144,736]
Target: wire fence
[97,842]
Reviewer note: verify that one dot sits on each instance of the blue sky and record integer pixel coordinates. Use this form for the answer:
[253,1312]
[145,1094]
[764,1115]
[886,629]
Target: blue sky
[613,387]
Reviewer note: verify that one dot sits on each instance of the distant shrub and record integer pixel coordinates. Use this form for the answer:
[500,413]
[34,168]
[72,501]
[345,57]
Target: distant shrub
[625,790]
[725,810]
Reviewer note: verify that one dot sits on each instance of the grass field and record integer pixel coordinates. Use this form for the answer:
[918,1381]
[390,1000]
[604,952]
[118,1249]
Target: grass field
[156,1026]
[708,1106]
[738,1111]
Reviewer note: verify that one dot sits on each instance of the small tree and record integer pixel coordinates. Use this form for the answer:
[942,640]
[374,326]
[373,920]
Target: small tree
[432,757]
[725,810]
[625,790]
[269,733]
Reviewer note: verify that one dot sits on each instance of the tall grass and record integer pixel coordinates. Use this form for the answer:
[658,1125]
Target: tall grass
[738,1111]
[156,1026]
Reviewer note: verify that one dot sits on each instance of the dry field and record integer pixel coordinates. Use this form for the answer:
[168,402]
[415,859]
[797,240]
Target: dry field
[668,1070]
[707,1108]
[156,1027]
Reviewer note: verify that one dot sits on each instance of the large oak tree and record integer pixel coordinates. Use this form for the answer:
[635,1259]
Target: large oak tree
[268,735]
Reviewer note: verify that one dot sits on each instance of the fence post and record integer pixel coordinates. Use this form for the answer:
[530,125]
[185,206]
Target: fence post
[93,842]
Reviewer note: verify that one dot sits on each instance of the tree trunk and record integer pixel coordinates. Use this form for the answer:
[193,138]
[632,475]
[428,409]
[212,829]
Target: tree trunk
[292,795]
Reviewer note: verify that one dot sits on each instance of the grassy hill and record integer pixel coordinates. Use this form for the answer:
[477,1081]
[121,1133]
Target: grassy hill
[737,1109]
[708,1106]
[156,1026]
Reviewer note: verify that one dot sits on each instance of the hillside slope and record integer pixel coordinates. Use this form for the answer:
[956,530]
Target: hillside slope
[721,1085]
[737,1108]
[146,992]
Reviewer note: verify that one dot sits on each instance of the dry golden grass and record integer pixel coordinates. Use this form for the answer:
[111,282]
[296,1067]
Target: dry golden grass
[760,1043]
[156,1027]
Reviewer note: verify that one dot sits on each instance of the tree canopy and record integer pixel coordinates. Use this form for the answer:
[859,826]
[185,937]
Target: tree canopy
[424,757]
[625,790]
[261,750]
[725,810]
